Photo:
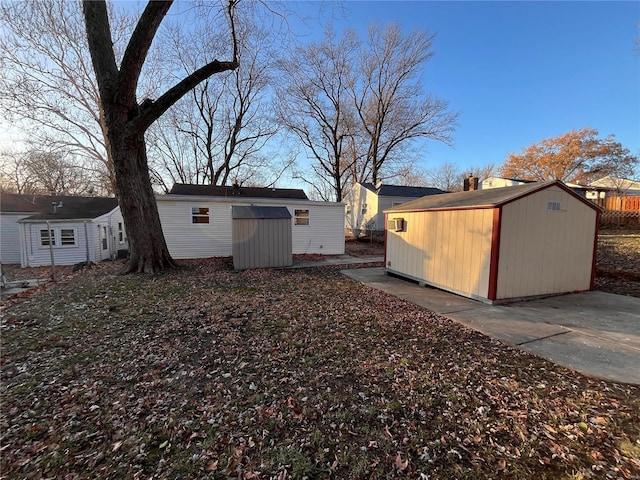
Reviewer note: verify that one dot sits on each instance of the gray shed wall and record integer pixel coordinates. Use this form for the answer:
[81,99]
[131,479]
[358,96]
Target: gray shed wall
[261,243]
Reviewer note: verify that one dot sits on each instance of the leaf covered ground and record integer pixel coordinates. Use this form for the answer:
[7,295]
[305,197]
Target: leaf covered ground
[281,374]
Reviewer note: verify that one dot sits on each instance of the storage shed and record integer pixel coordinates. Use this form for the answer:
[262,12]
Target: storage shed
[261,237]
[496,245]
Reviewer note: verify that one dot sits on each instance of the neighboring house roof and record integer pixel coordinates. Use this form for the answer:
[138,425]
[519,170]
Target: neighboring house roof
[230,191]
[383,190]
[67,207]
[260,212]
[616,183]
[492,197]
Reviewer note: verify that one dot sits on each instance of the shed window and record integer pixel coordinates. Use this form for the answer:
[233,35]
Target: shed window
[554,206]
[364,208]
[44,238]
[301,217]
[199,215]
[67,237]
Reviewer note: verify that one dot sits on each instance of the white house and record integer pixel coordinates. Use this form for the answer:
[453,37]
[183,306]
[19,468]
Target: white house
[366,203]
[197,220]
[497,245]
[611,185]
[499,182]
[33,228]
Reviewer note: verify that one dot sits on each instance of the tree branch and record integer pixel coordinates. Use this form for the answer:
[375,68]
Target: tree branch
[101,45]
[138,48]
[152,110]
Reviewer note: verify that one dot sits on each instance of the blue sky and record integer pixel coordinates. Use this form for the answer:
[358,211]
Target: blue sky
[520,72]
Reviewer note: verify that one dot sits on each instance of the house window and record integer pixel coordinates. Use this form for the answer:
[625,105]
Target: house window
[395,204]
[348,209]
[301,217]
[120,233]
[554,206]
[44,238]
[364,208]
[67,237]
[199,215]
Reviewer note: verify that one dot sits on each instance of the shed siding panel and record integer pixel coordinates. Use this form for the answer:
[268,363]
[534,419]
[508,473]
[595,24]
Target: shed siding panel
[261,243]
[542,251]
[448,249]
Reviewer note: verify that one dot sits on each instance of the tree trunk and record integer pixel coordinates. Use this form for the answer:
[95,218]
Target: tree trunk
[148,251]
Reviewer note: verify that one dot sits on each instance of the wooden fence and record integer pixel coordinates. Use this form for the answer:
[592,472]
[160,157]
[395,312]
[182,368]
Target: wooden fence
[619,211]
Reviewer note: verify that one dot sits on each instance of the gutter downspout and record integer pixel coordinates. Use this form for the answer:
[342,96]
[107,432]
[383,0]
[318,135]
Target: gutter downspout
[53,263]
[86,241]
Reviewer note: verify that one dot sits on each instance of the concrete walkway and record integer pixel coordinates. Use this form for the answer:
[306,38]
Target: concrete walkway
[594,333]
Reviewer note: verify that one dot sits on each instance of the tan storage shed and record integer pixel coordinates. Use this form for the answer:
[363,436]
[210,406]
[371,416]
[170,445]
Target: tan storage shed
[497,245]
[261,237]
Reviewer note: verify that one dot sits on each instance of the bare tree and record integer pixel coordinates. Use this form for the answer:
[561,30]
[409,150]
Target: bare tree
[218,132]
[41,172]
[448,177]
[358,108]
[47,83]
[315,106]
[390,101]
[125,121]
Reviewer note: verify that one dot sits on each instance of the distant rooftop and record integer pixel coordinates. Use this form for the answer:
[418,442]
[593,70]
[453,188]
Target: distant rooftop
[491,197]
[66,207]
[231,191]
[384,190]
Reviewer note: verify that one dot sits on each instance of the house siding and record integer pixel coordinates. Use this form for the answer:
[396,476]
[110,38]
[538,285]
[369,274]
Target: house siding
[323,235]
[356,221]
[9,238]
[35,255]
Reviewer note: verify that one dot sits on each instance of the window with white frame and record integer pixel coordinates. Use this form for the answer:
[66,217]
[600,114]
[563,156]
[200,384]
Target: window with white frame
[59,237]
[199,214]
[364,208]
[301,217]
[67,237]
[120,232]
[47,236]
[348,209]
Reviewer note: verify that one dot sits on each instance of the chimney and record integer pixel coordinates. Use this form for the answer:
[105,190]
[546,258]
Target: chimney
[236,187]
[470,183]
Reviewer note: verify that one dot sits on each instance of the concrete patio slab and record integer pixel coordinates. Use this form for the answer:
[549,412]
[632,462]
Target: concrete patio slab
[595,333]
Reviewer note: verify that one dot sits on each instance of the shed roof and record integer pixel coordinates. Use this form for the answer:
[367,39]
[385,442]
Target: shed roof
[67,207]
[492,197]
[260,212]
[401,190]
[231,191]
